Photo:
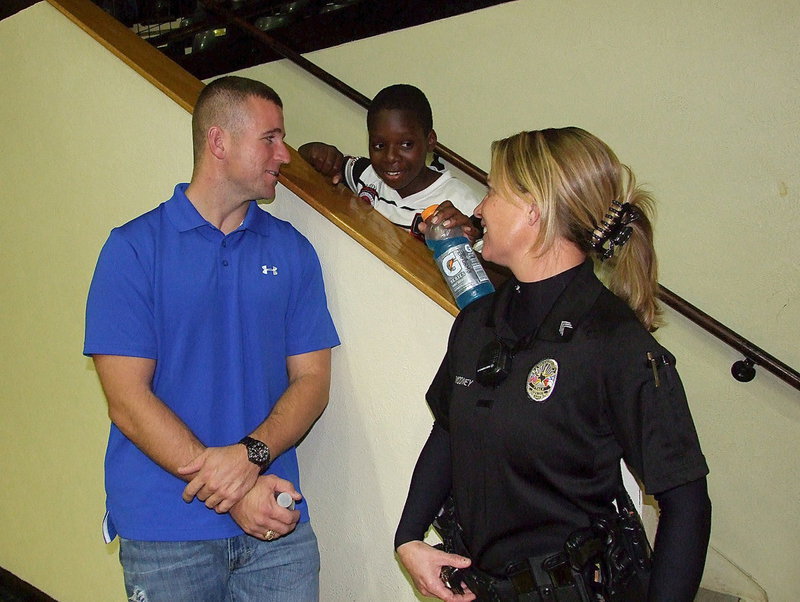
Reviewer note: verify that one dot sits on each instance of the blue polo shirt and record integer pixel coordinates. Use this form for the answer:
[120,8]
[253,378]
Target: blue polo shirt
[219,314]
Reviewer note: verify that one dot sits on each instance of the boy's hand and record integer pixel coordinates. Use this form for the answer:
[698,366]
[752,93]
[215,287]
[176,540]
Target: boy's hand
[451,217]
[325,158]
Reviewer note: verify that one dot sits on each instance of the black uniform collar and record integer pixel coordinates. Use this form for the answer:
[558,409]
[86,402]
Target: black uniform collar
[565,316]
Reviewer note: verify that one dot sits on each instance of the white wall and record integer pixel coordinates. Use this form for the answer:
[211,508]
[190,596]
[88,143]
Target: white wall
[356,463]
[88,145]
[701,99]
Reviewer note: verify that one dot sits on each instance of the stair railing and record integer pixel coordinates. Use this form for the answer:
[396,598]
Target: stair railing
[184,88]
[742,370]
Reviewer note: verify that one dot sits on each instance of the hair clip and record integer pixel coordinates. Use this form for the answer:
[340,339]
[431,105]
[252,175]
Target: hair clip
[614,229]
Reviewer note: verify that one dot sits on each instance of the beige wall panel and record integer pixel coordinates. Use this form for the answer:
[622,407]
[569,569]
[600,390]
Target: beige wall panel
[90,145]
[702,101]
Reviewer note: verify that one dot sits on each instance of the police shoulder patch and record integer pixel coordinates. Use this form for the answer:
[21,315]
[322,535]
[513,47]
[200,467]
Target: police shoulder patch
[542,380]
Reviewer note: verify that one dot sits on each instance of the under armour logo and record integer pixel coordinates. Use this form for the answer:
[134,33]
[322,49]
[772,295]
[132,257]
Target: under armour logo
[273,270]
[564,326]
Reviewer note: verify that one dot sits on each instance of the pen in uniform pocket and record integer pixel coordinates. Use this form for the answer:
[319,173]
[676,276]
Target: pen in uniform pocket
[652,361]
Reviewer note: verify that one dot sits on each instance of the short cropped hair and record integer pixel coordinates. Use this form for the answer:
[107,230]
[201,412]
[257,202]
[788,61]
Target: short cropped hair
[220,103]
[402,97]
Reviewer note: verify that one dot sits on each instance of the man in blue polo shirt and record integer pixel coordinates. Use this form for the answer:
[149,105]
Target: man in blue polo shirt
[208,325]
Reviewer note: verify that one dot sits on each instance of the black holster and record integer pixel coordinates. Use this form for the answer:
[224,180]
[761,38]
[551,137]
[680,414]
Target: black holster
[610,560]
[613,554]
[548,578]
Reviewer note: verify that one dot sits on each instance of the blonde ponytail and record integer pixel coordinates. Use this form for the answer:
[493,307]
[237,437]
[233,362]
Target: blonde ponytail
[633,268]
[576,181]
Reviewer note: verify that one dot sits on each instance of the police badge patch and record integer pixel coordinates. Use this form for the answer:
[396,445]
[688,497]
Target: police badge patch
[542,380]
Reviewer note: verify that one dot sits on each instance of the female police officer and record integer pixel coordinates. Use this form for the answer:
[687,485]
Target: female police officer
[550,381]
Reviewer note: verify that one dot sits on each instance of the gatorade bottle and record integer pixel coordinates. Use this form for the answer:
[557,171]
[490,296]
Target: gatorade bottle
[457,261]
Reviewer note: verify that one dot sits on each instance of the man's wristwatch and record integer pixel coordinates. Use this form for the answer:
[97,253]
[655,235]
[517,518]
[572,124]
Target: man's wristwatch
[257,452]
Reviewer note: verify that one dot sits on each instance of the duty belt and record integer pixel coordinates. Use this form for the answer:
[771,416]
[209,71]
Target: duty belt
[547,578]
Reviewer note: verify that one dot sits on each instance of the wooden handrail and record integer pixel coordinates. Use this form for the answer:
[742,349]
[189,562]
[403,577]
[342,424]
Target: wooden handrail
[161,71]
[393,246]
[231,17]
[741,370]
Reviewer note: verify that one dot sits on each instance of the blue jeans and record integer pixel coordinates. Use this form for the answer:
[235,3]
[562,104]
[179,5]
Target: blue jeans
[238,569]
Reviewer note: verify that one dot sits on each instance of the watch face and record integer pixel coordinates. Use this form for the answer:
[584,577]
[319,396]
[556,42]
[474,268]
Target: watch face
[257,452]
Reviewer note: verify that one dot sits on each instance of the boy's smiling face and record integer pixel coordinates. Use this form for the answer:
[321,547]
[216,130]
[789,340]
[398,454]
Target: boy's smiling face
[398,147]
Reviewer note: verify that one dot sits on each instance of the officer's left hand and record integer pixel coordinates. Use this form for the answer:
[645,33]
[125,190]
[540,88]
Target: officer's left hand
[223,476]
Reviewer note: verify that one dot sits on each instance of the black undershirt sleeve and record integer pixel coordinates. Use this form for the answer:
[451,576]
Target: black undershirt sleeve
[679,553]
[430,484]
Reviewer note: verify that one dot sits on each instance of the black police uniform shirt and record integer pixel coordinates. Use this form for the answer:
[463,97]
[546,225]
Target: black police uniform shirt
[536,455]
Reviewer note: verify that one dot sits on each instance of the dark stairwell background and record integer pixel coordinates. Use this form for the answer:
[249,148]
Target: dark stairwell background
[206,46]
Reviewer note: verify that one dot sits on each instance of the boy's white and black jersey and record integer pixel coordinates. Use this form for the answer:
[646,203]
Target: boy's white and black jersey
[361,178]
